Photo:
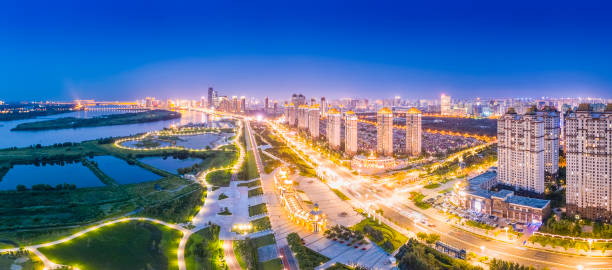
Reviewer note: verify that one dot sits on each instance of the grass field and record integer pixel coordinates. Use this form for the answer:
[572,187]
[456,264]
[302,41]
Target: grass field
[204,251]
[251,184]
[131,245]
[247,255]
[258,209]
[220,178]
[389,234]
[307,258]
[261,224]
[255,192]
[248,170]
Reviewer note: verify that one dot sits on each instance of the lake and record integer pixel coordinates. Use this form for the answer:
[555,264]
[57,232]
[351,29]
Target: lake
[48,137]
[122,172]
[170,164]
[28,175]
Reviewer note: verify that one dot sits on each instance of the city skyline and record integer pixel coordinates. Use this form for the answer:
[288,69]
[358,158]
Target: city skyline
[112,52]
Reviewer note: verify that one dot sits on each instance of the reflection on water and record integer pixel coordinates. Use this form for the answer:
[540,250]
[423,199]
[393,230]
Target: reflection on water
[122,172]
[47,137]
[28,175]
[170,164]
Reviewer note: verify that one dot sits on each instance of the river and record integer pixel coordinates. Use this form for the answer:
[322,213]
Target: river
[10,138]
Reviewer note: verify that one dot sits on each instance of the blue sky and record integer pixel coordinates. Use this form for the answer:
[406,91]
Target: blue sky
[120,51]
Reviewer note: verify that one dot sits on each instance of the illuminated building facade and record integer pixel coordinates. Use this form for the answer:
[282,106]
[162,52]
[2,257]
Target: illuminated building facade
[384,132]
[373,164]
[299,212]
[350,133]
[323,106]
[445,105]
[413,132]
[333,128]
[588,136]
[292,115]
[242,104]
[313,121]
[302,117]
[520,150]
[552,129]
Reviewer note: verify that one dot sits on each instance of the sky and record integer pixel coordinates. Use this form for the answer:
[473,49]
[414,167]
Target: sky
[115,50]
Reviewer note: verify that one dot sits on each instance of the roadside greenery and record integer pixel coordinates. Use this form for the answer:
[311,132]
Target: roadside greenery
[255,192]
[417,199]
[381,234]
[257,209]
[417,256]
[247,255]
[340,194]
[220,178]
[479,225]
[261,224]
[203,250]
[248,170]
[496,264]
[307,258]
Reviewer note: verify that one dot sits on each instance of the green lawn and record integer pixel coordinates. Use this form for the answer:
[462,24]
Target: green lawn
[307,258]
[246,253]
[251,184]
[131,245]
[477,224]
[204,250]
[249,168]
[220,178]
[261,224]
[255,192]
[388,234]
[257,209]
[417,199]
[432,186]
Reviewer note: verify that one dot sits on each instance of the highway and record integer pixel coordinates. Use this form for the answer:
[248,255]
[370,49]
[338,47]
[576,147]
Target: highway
[395,207]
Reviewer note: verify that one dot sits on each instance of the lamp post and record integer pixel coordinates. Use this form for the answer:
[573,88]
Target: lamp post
[507,236]
[590,241]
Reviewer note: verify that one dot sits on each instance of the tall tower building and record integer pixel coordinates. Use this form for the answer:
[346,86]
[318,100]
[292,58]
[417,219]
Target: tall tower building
[350,133]
[292,119]
[445,105]
[413,132]
[234,104]
[384,132]
[275,107]
[552,129]
[313,121]
[302,115]
[333,128]
[298,99]
[242,104]
[588,136]
[313,101]
[266,104]
[211,97]
[323,106]
[520,150]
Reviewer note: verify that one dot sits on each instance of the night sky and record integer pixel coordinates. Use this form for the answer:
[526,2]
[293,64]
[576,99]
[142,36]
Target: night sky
[377,49]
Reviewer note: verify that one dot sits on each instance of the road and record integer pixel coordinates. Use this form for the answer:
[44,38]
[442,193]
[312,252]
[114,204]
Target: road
[230,256]
[394,208]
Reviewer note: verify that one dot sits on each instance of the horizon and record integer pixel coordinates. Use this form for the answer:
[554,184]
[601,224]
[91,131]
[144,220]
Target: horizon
[114,51]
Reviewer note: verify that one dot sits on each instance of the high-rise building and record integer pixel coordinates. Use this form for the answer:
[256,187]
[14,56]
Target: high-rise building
[445,105]
[224,104]
[242,104]
[333,128]
[202,102]
[520,150]
[384,132]
[212,98]
[313,101]
[275,107]
[292,115]
[350,133]
[588,137]
[323,106]
[298,99]
[234,104]
[413,132]
[313,121]
[302,115]
[552,129]
[266,104]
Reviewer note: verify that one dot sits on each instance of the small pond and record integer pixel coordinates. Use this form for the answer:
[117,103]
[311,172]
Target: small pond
[122,172]
[70,173]
[170,164]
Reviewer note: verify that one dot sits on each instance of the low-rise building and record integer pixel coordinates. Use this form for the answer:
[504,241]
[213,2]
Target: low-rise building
[476,196]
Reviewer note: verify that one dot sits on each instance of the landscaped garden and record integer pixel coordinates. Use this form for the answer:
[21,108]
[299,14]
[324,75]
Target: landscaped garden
[203,250]
[130,245]
[381,234]
[258,209]
[307,258]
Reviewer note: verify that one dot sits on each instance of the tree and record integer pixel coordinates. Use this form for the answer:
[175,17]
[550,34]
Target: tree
[21,188]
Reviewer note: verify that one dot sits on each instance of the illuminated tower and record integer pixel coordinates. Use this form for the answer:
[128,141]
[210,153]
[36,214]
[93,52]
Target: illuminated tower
[350,133]
[313,121]
[384,132]
[234,104]
[323,106]
[520,150]
[333,128]
[588,140]
[552,130]
[445,105]
[292,115]
[413,132]
[302,115]
[242,104]
[266,104]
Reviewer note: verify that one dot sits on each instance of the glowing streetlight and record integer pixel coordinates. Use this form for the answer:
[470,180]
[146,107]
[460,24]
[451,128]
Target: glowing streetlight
[579,267]
[507,236]
[482,249]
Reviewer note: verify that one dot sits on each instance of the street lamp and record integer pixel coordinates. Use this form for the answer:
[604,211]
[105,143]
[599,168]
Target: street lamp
[507,233]
[482,249]
[590,243]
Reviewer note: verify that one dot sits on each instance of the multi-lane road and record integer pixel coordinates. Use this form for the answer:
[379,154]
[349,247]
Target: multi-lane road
[396,210]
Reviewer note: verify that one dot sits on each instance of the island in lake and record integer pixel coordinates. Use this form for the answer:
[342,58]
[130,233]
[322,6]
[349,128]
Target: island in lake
[105,120]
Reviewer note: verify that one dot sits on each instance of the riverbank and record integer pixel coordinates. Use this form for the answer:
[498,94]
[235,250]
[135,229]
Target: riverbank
[105,120]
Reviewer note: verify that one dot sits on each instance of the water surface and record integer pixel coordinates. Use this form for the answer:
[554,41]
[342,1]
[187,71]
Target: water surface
[122,172]
[170,164]
[28,175]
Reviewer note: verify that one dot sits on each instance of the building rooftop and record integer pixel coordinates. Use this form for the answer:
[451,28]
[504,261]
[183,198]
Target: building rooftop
[413,110]
[349,112]
[475,188]
[333,111]
[385,110]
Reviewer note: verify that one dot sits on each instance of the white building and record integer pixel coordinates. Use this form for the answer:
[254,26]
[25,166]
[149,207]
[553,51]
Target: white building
[552,129]
[333,128]
[350,133]
[313,121]
[589,162]
[445,105]
[520,150]
[302,117]
[384,132]
[413,132]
